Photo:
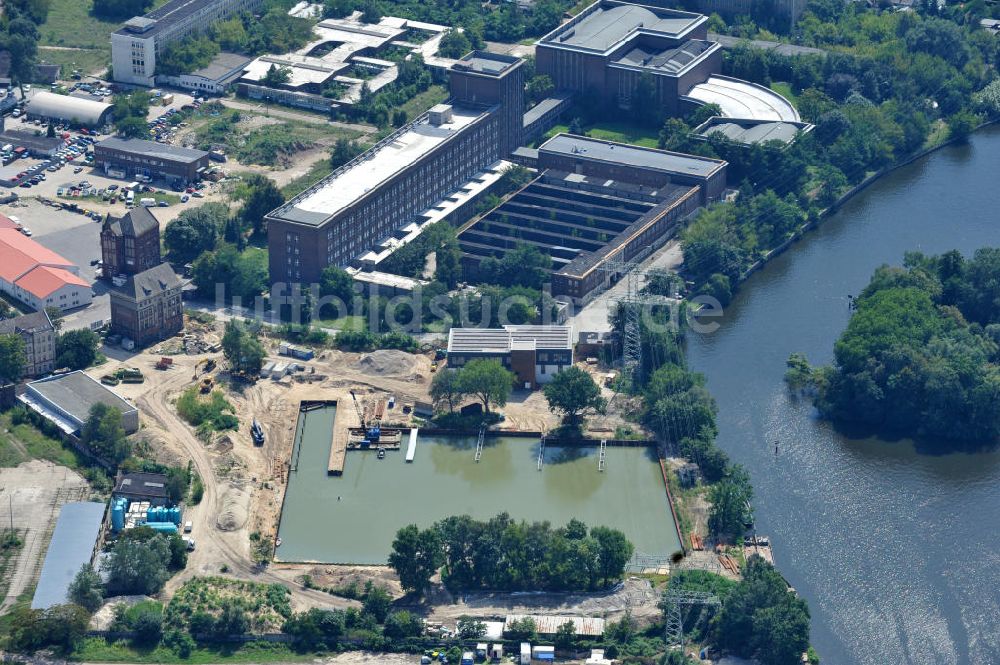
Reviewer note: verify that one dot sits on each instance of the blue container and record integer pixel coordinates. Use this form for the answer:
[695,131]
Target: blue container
[162,527]
[117,517]
[175,515]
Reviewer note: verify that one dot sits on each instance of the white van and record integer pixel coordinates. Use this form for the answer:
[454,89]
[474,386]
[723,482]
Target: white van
[147,202]
[130,199]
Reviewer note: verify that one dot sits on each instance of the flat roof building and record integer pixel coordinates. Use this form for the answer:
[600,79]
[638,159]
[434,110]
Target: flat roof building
[142,486]
[595,205]
[65,108]
[382,190]
[533,353]
[66,399]
[127,158]
[752,132]
[605,50]
[72,546]
[37,146]
[135,47]
[212,79]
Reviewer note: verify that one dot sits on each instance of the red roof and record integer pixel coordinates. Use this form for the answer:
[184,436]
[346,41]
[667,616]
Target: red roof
[43,282]
[6,222]
[19,254]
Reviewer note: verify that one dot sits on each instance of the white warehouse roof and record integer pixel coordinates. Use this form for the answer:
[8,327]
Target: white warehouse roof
[64,107]
[740,99]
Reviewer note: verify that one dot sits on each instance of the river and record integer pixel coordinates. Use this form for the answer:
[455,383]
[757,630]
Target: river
[895,550]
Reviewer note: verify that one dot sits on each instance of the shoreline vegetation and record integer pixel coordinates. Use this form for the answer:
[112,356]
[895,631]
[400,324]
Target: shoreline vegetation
[919,356]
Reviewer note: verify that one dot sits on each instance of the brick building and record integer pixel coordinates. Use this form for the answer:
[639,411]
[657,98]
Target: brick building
[130,244]
[127,158]
[147,307]
[381,191]
[39,337]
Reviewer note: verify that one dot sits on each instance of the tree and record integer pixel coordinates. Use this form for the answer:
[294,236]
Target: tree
[336,282]
[416,556]
[104,434]
[260,196]
[454,44]
[86,589]
[132,128]
[61,626]
[56,316]
[344,150]
[524,266]
[242,349]
[522,629]
[377,601]
[138,566]
[372,12]
[121,9]
[276,76]
[233,619]
[565,635]
[77,349]
[539,87]
[488,380]
[401,625]
[730,497]
[572,391]
[446,387]
[146,621]
[13,357]
[195,231]
[613,552]
[177,483]
[470,628]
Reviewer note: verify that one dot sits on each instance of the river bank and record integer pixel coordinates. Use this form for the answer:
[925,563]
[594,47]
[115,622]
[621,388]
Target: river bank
[891,548]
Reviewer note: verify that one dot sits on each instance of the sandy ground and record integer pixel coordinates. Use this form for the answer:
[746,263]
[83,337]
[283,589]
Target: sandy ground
[32,495]
[244,485]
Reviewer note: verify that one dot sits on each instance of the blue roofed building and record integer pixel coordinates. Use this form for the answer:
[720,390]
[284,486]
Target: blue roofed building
[72,546]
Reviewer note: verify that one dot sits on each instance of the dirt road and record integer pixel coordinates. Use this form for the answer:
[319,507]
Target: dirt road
[279,112]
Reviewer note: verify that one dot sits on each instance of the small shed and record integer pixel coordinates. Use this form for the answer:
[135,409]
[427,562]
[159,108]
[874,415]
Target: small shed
[544,654]
[525,653]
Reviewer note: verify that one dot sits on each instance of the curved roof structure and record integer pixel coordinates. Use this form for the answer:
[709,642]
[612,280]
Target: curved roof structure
[65,107]
[740,99]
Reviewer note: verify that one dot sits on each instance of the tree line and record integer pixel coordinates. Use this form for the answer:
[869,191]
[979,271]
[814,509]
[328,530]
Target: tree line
[504,554]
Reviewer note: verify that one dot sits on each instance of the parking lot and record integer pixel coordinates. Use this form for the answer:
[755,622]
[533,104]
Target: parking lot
[75,237]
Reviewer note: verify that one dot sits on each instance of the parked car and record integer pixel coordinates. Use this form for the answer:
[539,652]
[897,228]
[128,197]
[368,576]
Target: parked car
[185,198]
[78,169]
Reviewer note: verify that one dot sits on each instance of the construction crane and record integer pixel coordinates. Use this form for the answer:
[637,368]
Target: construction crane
[372,430]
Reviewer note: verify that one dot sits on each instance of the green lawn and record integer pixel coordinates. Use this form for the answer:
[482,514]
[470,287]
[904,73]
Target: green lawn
[785,90]
[97,650]
[19,442]
[621,132]
[428,98]
[343,323]
[91,61]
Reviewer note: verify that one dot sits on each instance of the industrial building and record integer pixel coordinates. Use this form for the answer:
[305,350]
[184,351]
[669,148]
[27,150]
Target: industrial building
[146,307]
[40,146]
[128,158]
[212,79]
[39,277]
[147,487]
[66,399]
[533,353]
[135,46]
[49,106]
[39,337]
[130,244]
[594,206]
[605,50]
[381,191]
[328,73]
[73,545]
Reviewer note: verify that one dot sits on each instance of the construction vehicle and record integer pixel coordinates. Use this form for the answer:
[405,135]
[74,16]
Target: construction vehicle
[164,363]
[257,433]
[372,429]
[434,366]
[206,385]
[131,375]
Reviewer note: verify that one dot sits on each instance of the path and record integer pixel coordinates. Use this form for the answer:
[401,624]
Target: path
[215,548]
[778,47]
[279,112]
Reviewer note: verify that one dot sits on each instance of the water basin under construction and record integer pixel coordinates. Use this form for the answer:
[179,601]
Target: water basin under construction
[353,518]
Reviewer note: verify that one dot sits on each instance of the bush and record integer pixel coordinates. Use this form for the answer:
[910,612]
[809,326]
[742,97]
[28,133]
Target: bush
[214,412]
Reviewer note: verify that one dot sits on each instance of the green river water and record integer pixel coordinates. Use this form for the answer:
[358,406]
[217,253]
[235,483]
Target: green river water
[353,518]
